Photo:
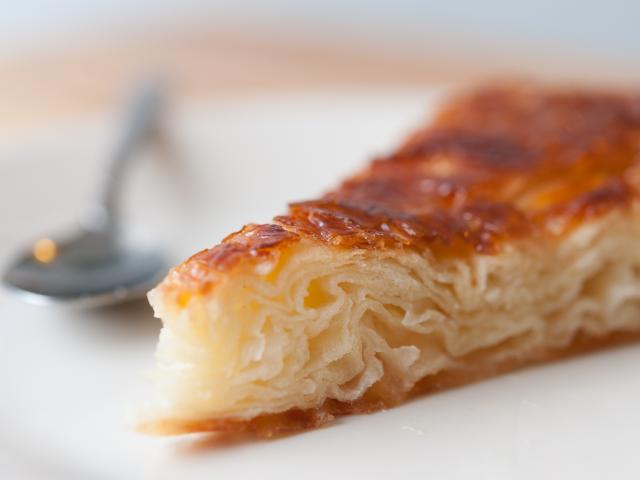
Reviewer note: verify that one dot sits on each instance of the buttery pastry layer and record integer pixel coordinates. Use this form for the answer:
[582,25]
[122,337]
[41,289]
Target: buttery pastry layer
[504,229]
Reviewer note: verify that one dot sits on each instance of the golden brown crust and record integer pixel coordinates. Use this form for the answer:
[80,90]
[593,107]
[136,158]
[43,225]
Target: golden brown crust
[202,270]
[267,426]
[496,165]
[499,164]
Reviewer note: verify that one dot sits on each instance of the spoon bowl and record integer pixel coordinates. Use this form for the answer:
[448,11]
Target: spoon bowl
[84,273]
[95,267]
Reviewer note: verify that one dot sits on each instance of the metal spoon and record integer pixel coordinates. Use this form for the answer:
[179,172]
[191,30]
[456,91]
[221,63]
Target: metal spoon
[94,267]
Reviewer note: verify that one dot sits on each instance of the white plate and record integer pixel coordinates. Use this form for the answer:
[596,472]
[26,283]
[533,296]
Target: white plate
[68,378]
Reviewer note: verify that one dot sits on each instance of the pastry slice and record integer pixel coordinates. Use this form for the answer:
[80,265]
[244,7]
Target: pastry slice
[504,232]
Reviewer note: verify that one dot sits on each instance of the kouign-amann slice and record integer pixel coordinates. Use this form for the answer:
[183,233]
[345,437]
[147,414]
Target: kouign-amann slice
[502,233]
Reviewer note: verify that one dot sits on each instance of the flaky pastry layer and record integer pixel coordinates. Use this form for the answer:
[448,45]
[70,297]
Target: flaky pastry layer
[497,236]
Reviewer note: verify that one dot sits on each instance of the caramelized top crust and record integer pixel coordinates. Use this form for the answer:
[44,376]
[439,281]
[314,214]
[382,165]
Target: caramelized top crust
[495,165]
[202,270]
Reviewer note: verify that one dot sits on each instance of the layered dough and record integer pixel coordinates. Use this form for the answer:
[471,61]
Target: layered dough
[318,323]
[504,232]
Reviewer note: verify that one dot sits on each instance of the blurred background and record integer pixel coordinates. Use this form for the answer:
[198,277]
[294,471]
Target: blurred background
[58,57]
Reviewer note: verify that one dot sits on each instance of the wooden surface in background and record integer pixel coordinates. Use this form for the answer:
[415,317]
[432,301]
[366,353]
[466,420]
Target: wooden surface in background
[86,75]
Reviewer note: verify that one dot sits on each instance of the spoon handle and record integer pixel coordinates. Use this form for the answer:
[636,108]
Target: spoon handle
[142,125]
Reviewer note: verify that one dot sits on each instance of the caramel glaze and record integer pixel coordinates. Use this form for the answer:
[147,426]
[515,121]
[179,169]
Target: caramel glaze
[202,270]
[495,165]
